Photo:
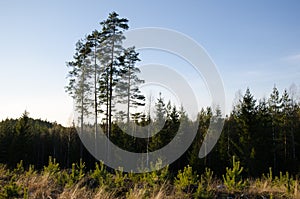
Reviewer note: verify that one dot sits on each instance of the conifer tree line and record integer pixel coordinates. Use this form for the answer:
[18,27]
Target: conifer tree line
[260,133]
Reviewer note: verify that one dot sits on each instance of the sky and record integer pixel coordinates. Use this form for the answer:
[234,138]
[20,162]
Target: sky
[253,44]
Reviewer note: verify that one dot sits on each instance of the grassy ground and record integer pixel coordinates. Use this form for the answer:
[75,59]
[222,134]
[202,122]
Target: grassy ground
[52,182]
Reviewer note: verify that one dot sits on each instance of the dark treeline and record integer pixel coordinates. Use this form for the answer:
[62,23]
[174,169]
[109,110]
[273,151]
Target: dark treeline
[33,141]
[260,133]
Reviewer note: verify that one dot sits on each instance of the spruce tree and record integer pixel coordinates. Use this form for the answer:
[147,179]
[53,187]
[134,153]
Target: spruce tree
[274,108]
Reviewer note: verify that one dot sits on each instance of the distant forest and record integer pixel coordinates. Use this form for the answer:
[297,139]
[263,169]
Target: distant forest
[259,133]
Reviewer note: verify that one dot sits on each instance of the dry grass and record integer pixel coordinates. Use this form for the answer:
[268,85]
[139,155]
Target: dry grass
[265,187]
[76,192]
[45,186]
[40,186]
[102,194]
[161,193]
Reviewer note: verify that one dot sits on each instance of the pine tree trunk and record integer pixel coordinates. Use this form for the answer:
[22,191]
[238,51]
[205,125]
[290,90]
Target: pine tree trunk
[111,89]
[81,126]
[128,96]
[96,101]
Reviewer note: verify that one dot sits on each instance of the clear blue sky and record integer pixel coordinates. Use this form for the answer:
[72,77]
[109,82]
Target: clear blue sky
[254,44]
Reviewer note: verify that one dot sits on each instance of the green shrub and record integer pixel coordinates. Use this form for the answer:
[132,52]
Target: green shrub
[63,178]
[52,167]
[77,171]
[30,171]
[133,177]
[204,189]
[101,175]
[11,190]
[286,181]
[162,175]
[207,178]
[186,180]
[19,168]
[155,178]
[233,179]
[269,176]
[119,178]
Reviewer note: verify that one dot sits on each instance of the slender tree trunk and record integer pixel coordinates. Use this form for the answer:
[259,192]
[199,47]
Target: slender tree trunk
[107,104]
[81,126]
[110,98]
[292,133]
[274,146]
[285,146]
[110,84]
[68,149]
[149,129]
[293,144]
[111,89]
[228,139]
[107,109]
[95,93]
[128,96]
